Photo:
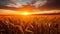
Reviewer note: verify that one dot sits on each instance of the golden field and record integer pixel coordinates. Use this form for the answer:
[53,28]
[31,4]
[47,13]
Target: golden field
[31,24]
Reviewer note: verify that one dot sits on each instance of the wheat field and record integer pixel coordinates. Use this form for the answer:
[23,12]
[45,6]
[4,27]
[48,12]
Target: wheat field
[33,24]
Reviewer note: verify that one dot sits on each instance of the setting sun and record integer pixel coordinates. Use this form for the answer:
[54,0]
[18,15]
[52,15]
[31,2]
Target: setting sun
[25,13]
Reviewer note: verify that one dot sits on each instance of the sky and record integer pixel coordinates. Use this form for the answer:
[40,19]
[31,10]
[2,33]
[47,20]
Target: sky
[39,4]
[36,3]
[13,3]
[19,3]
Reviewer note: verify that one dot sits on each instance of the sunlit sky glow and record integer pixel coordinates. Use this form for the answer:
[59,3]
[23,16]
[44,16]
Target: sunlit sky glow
[11,12]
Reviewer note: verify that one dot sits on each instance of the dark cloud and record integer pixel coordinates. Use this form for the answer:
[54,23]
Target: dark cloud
[4,2]
[54,2]
[10,3]
[51,5]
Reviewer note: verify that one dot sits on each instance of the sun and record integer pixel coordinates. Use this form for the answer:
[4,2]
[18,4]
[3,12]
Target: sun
[25,13]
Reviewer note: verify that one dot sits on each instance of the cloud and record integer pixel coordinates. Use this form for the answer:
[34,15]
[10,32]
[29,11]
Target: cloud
[10,3]
[19,3]
[4,2]
[14,3]
[40,3]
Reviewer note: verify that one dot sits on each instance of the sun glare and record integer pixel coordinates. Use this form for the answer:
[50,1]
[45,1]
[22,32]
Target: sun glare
[25,13]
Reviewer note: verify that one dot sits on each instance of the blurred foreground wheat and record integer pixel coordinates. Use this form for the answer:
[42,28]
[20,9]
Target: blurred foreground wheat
[42,24]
